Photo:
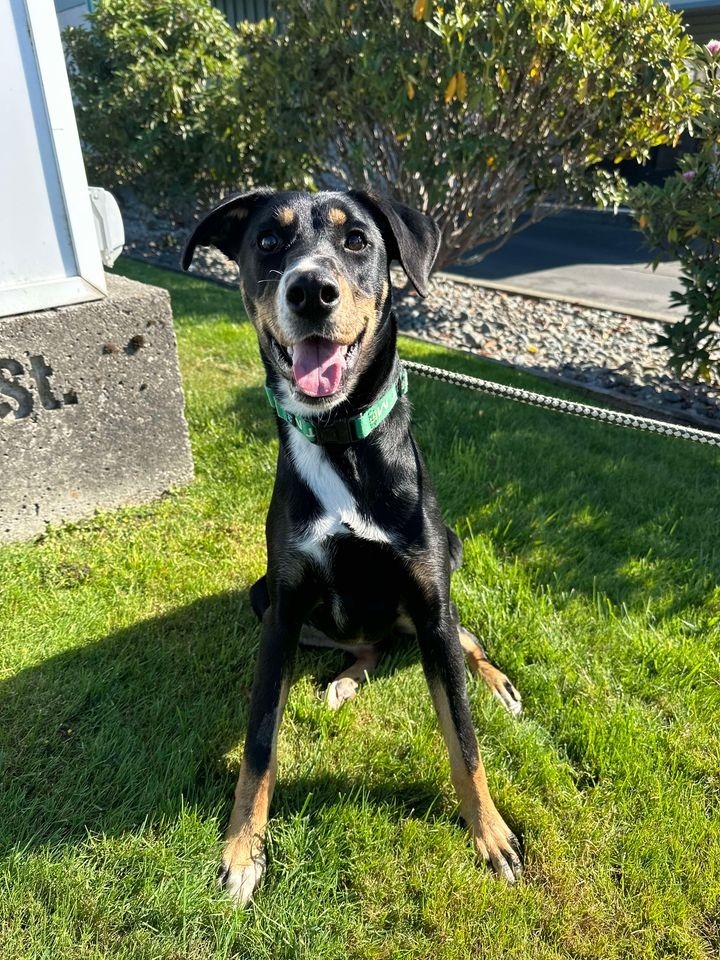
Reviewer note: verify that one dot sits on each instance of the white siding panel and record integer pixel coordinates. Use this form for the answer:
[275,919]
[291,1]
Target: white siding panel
[48,248]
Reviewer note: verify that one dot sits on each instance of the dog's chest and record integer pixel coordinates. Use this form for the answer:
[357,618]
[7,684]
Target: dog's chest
[339,514]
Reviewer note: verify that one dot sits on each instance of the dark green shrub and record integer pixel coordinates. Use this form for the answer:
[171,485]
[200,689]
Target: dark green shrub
[682,218]
[159,90]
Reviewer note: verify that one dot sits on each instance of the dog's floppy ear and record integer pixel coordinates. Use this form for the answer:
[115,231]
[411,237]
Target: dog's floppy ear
[410,236]
[224,225]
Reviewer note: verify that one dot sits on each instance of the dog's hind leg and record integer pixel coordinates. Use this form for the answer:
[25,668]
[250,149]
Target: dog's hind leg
[345,685]
[480,666]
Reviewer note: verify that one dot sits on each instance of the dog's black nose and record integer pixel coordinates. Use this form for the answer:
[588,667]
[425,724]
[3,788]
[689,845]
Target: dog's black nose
[312,292]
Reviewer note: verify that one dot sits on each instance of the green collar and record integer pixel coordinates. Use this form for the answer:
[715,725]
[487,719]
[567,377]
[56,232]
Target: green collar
[351,429]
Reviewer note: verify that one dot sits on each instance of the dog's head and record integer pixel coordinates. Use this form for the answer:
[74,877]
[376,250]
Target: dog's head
[314,274]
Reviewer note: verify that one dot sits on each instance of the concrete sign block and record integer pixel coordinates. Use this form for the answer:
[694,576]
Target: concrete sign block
[91,409]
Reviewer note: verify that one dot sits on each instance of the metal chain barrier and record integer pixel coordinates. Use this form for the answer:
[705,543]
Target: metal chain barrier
[564,406]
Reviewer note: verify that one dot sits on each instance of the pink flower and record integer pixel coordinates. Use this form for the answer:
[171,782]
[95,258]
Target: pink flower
[689,175]
[713,46]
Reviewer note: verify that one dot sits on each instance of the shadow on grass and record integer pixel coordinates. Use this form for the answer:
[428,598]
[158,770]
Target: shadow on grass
[250,407]
[128,729]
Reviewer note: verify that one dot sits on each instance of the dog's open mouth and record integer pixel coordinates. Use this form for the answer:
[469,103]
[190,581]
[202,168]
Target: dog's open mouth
[319,366]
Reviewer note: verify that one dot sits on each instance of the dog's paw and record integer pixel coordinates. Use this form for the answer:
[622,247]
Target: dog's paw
[502,689]
[508,695]
[340,691]
[239,880]
[499,848]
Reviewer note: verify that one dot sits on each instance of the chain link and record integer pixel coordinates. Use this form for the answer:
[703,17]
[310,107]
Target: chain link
[565,406]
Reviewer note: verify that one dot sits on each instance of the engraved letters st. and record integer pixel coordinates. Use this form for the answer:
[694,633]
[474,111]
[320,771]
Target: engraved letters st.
[17,399]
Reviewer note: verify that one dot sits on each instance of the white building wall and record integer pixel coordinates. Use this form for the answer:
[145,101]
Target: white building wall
[71,13]
[48,247]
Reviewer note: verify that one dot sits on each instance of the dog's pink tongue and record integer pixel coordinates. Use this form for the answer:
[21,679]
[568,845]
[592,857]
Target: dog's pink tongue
[318,366]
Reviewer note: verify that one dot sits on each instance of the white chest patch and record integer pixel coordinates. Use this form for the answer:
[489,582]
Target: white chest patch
[340,515]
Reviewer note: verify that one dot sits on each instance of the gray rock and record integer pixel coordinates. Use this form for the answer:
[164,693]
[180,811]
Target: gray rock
[91,409]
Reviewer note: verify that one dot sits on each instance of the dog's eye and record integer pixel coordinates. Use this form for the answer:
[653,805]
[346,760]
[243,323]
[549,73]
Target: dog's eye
[268,242]
[355,241]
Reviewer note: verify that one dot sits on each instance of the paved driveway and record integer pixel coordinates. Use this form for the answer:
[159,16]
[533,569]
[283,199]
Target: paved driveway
[587,257]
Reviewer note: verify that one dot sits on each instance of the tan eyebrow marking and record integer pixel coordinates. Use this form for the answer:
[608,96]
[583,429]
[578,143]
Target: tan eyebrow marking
[337,216]
[239,213]
[285,215]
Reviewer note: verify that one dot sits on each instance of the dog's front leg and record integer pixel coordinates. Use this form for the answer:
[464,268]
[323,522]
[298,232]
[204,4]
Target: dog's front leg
[243,861]
[444,666]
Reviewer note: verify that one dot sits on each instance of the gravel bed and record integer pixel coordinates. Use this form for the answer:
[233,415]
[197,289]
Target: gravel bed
[600,351]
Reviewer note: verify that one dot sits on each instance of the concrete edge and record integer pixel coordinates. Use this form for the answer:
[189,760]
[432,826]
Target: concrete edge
[561,298]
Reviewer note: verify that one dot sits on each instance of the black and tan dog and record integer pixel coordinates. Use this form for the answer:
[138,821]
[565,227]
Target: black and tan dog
[357,548]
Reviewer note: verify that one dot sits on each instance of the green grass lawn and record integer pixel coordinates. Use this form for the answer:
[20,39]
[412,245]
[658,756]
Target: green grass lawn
[127,646]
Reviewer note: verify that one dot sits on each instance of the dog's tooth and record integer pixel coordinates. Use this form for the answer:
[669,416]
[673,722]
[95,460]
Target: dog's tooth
[290,351]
